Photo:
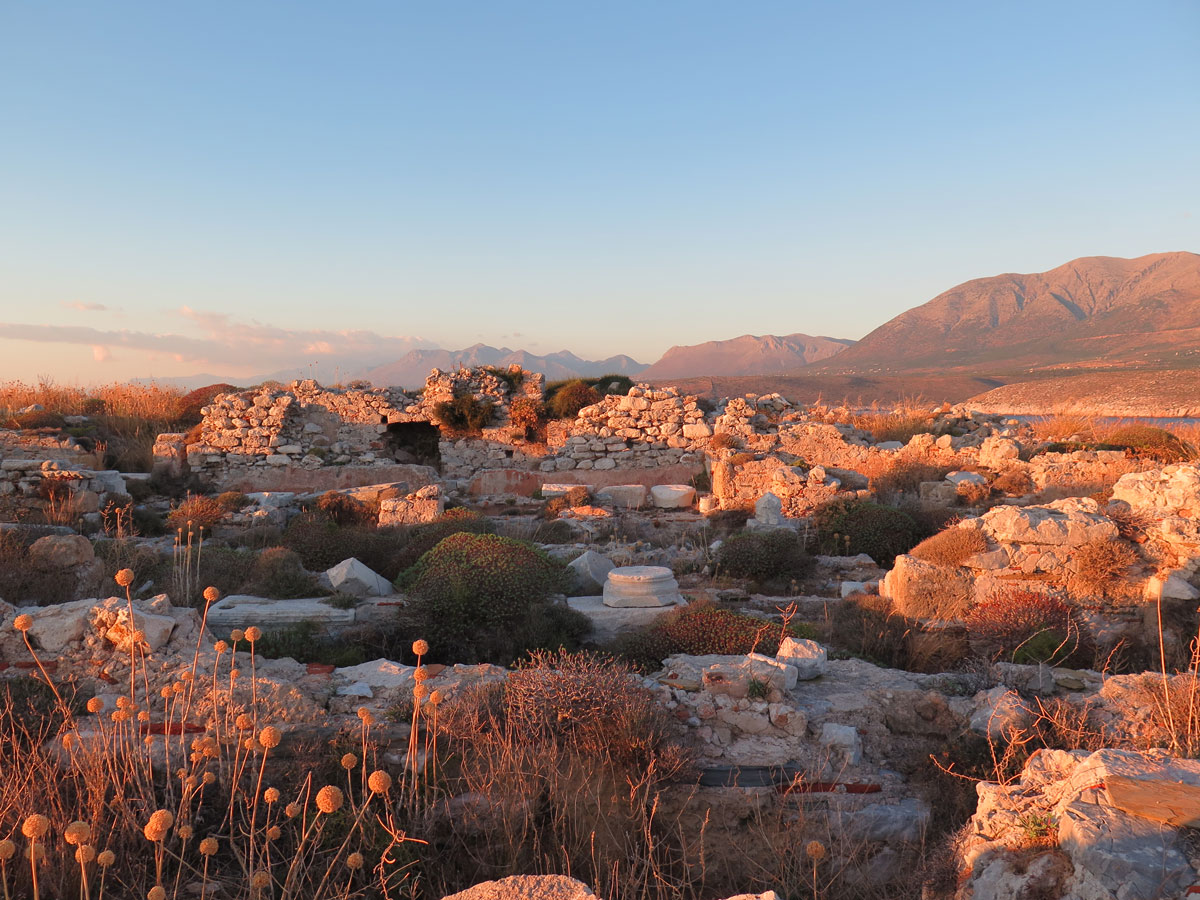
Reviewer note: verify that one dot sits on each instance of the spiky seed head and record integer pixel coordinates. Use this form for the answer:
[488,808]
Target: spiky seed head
[209,778]
[237,635]
[354,861]
[420,647]
[253,633]
[7,850]
[349,761]
[23,622]
[105,858]
[159,824]
[292,810]
[35,827]
[420,692]
[158,892]
[329,799]
[184,832]
[269,737]
[260,880]
[815,850]
[77,833]
[244,722]
[95,705]
[421,675]
[271,795]
[220,647]
[208,846]
[379,781]
[211,594]
[274,833]
[84,854]
[124,577]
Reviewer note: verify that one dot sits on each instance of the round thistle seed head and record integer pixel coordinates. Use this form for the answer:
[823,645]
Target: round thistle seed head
[35,827]
[329,799]
[124,577]
[124,702]
[84,854]
[292,810]
[815,850]
[77,833]
[354,861]
[209,778]
[379,781]
[435,697]
[269,737]
[220,647]
[349,761]
[95,705]
[7,850]
[260,880]
[70,740]
[211,594]
[421,675]
[274,833]
[271,795]
[105,858]
[420,647]
[244,722]
[208,846]
[159,824]
[158,892]
[23,622]
[420,692]
[184,832]
[237,635]
[253,633]
[144,716]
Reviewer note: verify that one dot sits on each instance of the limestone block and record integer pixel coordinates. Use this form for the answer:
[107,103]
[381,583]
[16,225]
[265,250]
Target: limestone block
[589,572]
[995,451]
[609,622]
[353,577]
[61,552]
[957,478]
[57,627]
[843,740]
[696,430]
[769,510]
[1067,522]
[673,496]
[628,586]
[242,610]
[731,676]
[528,887]
[1173,489]
[625,496]
[1000,715]
[807,657]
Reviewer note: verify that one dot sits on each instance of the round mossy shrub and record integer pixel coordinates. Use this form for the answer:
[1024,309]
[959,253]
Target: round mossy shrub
[764,556]
[860,526]
[478,582]
[570,398]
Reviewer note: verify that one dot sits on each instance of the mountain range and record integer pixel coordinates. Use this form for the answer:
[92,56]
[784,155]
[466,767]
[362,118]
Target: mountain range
[1093,312]
[412,369]
[746,355]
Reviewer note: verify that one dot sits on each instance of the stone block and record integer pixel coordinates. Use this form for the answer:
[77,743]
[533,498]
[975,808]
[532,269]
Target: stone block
[843,740]
[61,552]
[590,571]
[673,496]
[609,622]
[807,657]
[624,496]
[353,577]
[243,610]
[633,586]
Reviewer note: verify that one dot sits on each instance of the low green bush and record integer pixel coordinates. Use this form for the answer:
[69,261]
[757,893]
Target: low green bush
[568,399]
[465,412]
[278,573]
[1152,443]
[861,526]
[472,591]
[771,559]
[703,628]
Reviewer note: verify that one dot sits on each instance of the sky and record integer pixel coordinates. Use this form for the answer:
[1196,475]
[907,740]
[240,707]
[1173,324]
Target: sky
[240,187]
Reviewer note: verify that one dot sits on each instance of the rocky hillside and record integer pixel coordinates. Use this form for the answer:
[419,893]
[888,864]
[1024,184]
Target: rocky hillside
[412,368]
[746,355]
[1147,394]
[1092,311]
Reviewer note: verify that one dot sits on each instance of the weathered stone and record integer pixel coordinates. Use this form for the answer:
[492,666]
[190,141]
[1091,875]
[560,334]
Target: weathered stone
[1174,490]
[527,887]
[807,657]
[641,586]
[609,622]
[769,510]
[625,496]
[61,552]
[242,610]
[589,572]
[844,740]
[732,676]
[996,451]
[673,496]
[1068,522]
[353,577]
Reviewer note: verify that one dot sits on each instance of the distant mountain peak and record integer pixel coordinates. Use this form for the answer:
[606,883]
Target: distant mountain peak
[412,369]
[749,354]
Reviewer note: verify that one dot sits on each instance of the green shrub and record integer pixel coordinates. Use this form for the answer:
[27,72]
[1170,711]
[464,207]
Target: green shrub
[703,628]
[417,540]
[861,526]
[465,412]
[42,418]
[527,415]
[232,501]
[1153,443]
[769,558]
[473,589]
[279,573]
[345,510]
[305,643]
[568,399]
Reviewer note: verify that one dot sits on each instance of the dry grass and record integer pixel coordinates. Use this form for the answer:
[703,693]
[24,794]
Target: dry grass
[951,547]
[1098,568]
[152,401]
[900,422]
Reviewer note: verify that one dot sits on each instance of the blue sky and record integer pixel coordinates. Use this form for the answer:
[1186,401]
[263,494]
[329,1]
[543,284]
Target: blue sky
[220,187]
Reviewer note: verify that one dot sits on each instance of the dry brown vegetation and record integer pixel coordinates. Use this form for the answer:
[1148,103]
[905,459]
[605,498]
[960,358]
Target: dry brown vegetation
[896,422]
[951,547]
[1097,567]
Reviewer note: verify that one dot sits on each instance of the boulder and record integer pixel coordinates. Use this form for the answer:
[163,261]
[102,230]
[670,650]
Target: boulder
[61,552]
[769,510]
[1171,490]
[57,627]
[423,506]
[624,496]
[733,678]
[996,451]
[1000,715]
[807,657]
[589,571]
[353,577]
[526,887]
[1069,522]
[957,478]
[641,586]
[243,610]
[922,589]
[673,496]
[111,618]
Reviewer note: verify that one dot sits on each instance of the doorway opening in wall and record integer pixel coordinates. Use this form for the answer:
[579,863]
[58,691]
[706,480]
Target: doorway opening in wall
[415,443]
